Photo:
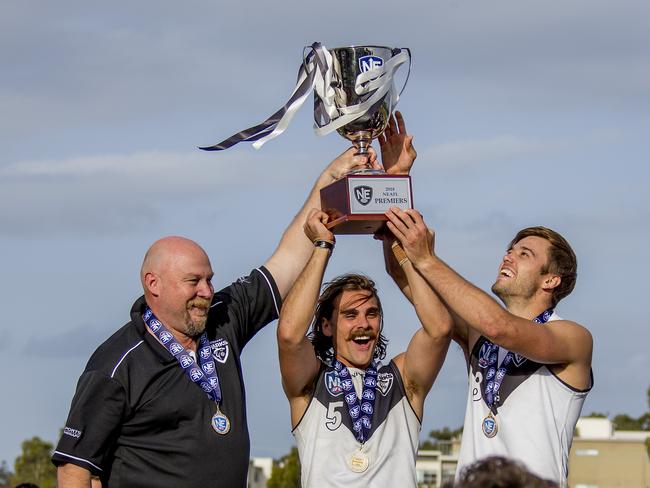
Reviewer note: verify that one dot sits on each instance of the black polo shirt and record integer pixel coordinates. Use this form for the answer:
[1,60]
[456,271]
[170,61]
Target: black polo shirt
[137,420]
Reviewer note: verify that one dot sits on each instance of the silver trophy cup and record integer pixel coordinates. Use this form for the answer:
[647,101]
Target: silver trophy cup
[347,64]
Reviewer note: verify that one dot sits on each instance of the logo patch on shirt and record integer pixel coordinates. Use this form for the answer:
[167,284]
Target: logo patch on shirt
[333,383]
[384,382]
[518,359]
[220,349]
[72,432]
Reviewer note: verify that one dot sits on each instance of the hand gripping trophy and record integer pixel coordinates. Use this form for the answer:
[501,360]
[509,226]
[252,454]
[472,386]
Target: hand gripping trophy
[354,94]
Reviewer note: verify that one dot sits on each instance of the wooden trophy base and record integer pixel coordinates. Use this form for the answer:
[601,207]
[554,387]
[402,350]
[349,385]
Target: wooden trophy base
[356,203]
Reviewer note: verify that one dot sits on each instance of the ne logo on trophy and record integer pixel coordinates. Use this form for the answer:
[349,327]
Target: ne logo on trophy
[355,95]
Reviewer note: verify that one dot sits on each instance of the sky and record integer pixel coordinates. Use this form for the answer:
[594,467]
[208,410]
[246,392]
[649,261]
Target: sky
[523,113]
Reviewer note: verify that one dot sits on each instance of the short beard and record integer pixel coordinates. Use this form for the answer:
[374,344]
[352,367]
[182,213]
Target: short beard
[500,293]
[195,328]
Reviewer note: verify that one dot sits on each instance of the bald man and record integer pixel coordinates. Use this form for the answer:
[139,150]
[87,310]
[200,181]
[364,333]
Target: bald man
[161,403]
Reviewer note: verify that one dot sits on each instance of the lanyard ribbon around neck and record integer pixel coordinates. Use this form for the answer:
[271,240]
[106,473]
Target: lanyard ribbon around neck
[360,411]
[492,353]
[203,374]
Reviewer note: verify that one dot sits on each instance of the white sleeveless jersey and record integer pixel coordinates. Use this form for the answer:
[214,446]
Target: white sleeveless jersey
[326,441]
[536,416]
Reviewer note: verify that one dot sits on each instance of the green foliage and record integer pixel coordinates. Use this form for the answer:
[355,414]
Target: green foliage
[597,415]
[34,465]
[286,471]
[625,422]
[438,439]
[5,475]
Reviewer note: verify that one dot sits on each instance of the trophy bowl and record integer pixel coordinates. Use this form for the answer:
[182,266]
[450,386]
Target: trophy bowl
[347,64]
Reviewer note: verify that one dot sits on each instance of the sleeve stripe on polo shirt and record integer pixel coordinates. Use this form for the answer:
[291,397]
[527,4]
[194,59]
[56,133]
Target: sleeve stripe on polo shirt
[78,459]
[275,301]
[125,355]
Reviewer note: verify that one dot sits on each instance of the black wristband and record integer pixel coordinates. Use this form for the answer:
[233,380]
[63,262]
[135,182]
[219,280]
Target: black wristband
[325,244]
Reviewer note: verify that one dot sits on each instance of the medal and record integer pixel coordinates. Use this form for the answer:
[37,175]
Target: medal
[489,426]
[220,423]
[358,461]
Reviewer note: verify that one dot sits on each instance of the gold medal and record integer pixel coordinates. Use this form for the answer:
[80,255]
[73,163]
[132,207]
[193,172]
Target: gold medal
[358,461]
[489,426]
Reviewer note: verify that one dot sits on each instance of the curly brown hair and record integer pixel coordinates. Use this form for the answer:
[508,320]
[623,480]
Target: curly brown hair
[325,308]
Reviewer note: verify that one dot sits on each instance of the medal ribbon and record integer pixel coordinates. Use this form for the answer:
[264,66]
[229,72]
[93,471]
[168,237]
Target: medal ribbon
[205,373]
[360,411]
[315,73]
[492,352]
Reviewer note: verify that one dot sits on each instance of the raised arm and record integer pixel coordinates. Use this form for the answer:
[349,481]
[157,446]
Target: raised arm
[298,362]
[294,249]
[426,352]
[398,156]
[558,342]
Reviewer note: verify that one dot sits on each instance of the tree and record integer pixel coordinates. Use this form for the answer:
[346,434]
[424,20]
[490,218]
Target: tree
[438,438]
[286,471]
[34,465]
[597,415]
[5,475]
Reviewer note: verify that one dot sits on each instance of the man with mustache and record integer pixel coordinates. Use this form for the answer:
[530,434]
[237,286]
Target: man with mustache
[529,369]
[356,421]
[161,402]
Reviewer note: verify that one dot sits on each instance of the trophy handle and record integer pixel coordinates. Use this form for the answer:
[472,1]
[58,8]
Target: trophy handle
[397,51]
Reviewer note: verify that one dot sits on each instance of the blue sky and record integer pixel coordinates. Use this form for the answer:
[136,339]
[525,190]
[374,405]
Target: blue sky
[524,113]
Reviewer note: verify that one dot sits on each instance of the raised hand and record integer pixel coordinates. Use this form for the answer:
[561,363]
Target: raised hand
[409,228]
[314,227]
[397,151]
[350,161]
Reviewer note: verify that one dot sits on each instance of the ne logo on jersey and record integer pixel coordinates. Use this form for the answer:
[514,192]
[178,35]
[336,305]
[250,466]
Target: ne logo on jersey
[500,374]
[154,325]
[220,350]
[384,383]
[165,337]
[490,374]
[365,421]
[333,383]
[176,348]
[208,367]
[366,408]
[147,315]
[206,387]
[185,360]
